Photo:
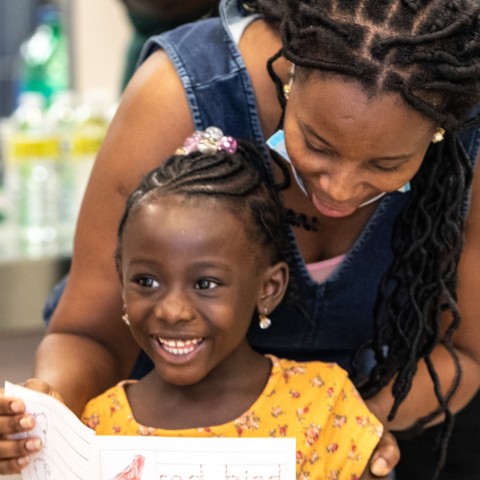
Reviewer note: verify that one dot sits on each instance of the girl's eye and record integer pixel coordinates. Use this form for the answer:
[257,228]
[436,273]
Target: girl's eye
[205,284]
[147,282]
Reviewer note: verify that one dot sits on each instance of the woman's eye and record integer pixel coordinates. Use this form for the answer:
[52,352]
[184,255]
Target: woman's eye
[147,282]
[205,284]
[387,169]
[320,149]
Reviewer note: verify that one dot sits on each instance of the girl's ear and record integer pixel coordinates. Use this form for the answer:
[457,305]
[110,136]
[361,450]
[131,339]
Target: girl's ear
[275,281]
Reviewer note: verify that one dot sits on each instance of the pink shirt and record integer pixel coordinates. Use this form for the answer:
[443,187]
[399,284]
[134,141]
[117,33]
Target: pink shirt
[320,271]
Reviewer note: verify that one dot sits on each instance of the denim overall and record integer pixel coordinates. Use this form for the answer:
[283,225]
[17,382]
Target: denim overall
[220,93]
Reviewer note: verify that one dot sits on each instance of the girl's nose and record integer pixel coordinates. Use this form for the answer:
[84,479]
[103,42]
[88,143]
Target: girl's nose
[173,308]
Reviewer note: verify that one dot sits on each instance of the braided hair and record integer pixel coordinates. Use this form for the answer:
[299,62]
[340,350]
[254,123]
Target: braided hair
[228,178]
[428,52]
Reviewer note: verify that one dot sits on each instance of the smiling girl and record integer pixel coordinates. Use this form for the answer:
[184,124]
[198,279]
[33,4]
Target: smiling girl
[200,256]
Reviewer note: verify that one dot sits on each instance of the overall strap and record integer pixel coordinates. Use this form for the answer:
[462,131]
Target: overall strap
[215,79]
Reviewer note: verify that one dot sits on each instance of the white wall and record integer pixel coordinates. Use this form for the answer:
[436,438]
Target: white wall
[100,32]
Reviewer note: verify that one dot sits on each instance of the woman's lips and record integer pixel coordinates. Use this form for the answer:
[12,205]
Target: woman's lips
[331,211]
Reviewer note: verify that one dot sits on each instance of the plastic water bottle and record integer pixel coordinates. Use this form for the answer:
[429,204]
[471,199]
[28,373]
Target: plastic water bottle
[44,56]
[62,116]
[32,177]
[7,243]
[82,135]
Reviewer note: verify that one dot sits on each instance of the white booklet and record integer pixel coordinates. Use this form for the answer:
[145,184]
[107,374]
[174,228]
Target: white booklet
[73,451]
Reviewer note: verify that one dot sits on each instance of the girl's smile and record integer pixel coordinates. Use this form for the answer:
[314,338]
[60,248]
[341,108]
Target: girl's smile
[182,346]
[191,284]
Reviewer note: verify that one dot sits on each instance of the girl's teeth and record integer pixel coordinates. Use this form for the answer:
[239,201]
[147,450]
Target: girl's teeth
[179,346]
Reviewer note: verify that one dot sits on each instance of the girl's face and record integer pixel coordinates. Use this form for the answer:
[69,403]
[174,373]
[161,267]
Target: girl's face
[191,282]
[349,148]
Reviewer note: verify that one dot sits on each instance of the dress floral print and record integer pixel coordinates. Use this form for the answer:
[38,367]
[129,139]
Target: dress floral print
[313,402]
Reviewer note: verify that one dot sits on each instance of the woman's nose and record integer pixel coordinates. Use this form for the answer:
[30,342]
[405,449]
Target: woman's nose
[340,184]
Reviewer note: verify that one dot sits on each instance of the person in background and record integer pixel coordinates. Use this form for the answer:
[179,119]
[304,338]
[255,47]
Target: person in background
[367,106]
[191,290]
[152,17]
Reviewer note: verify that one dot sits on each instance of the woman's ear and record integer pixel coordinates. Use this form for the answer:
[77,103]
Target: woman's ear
[275,282]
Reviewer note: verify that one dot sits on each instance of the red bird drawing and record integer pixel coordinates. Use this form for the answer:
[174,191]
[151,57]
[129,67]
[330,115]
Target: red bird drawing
[132,471]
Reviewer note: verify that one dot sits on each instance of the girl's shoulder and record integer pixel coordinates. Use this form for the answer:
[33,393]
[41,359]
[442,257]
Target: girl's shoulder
[109,411]
[320,375]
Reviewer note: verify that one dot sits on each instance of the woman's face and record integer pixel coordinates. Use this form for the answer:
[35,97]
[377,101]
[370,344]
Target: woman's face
[348,147]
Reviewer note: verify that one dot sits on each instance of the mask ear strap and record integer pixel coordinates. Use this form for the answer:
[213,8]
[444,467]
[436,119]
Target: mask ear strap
[374,199]
[404,189]
[277,143]
[286,182]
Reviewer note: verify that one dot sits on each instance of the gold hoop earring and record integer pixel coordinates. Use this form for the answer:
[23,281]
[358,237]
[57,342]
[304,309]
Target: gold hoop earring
[125,318]
[264,322]
[438,136]
[287,88]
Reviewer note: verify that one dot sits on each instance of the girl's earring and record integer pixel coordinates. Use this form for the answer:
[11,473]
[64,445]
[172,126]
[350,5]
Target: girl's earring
[125,318]
[438,136]
[264,321]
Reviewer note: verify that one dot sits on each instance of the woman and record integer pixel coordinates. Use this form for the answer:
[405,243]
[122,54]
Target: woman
[374,85]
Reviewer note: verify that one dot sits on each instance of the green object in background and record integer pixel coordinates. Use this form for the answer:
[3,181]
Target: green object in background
[44,56]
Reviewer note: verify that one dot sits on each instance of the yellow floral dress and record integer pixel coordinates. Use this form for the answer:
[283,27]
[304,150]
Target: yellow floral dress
[314,402]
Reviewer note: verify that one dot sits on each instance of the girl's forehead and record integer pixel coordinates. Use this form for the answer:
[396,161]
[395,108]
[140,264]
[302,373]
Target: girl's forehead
[196,214]
[170,228]
[184,209]
[181,201]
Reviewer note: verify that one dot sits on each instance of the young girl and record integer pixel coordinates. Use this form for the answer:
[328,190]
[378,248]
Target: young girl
[199,255]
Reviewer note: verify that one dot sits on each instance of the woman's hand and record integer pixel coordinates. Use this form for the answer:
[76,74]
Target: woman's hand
[15,454]
[383,460]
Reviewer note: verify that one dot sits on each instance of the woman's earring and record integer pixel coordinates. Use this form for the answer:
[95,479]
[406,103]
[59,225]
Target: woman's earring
[125,318]
[438,136]
[264,321]
[287,88]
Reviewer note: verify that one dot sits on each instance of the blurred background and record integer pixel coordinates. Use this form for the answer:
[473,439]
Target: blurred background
[61,67]
[98,33]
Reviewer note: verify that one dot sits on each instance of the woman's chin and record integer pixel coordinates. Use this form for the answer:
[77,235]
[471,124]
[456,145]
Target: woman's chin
[331,211]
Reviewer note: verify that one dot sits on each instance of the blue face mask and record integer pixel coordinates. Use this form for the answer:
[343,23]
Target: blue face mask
[277,142]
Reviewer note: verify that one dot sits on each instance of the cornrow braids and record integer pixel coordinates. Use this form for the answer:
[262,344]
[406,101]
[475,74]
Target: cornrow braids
[227,178]
[428,52]
[420,49]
